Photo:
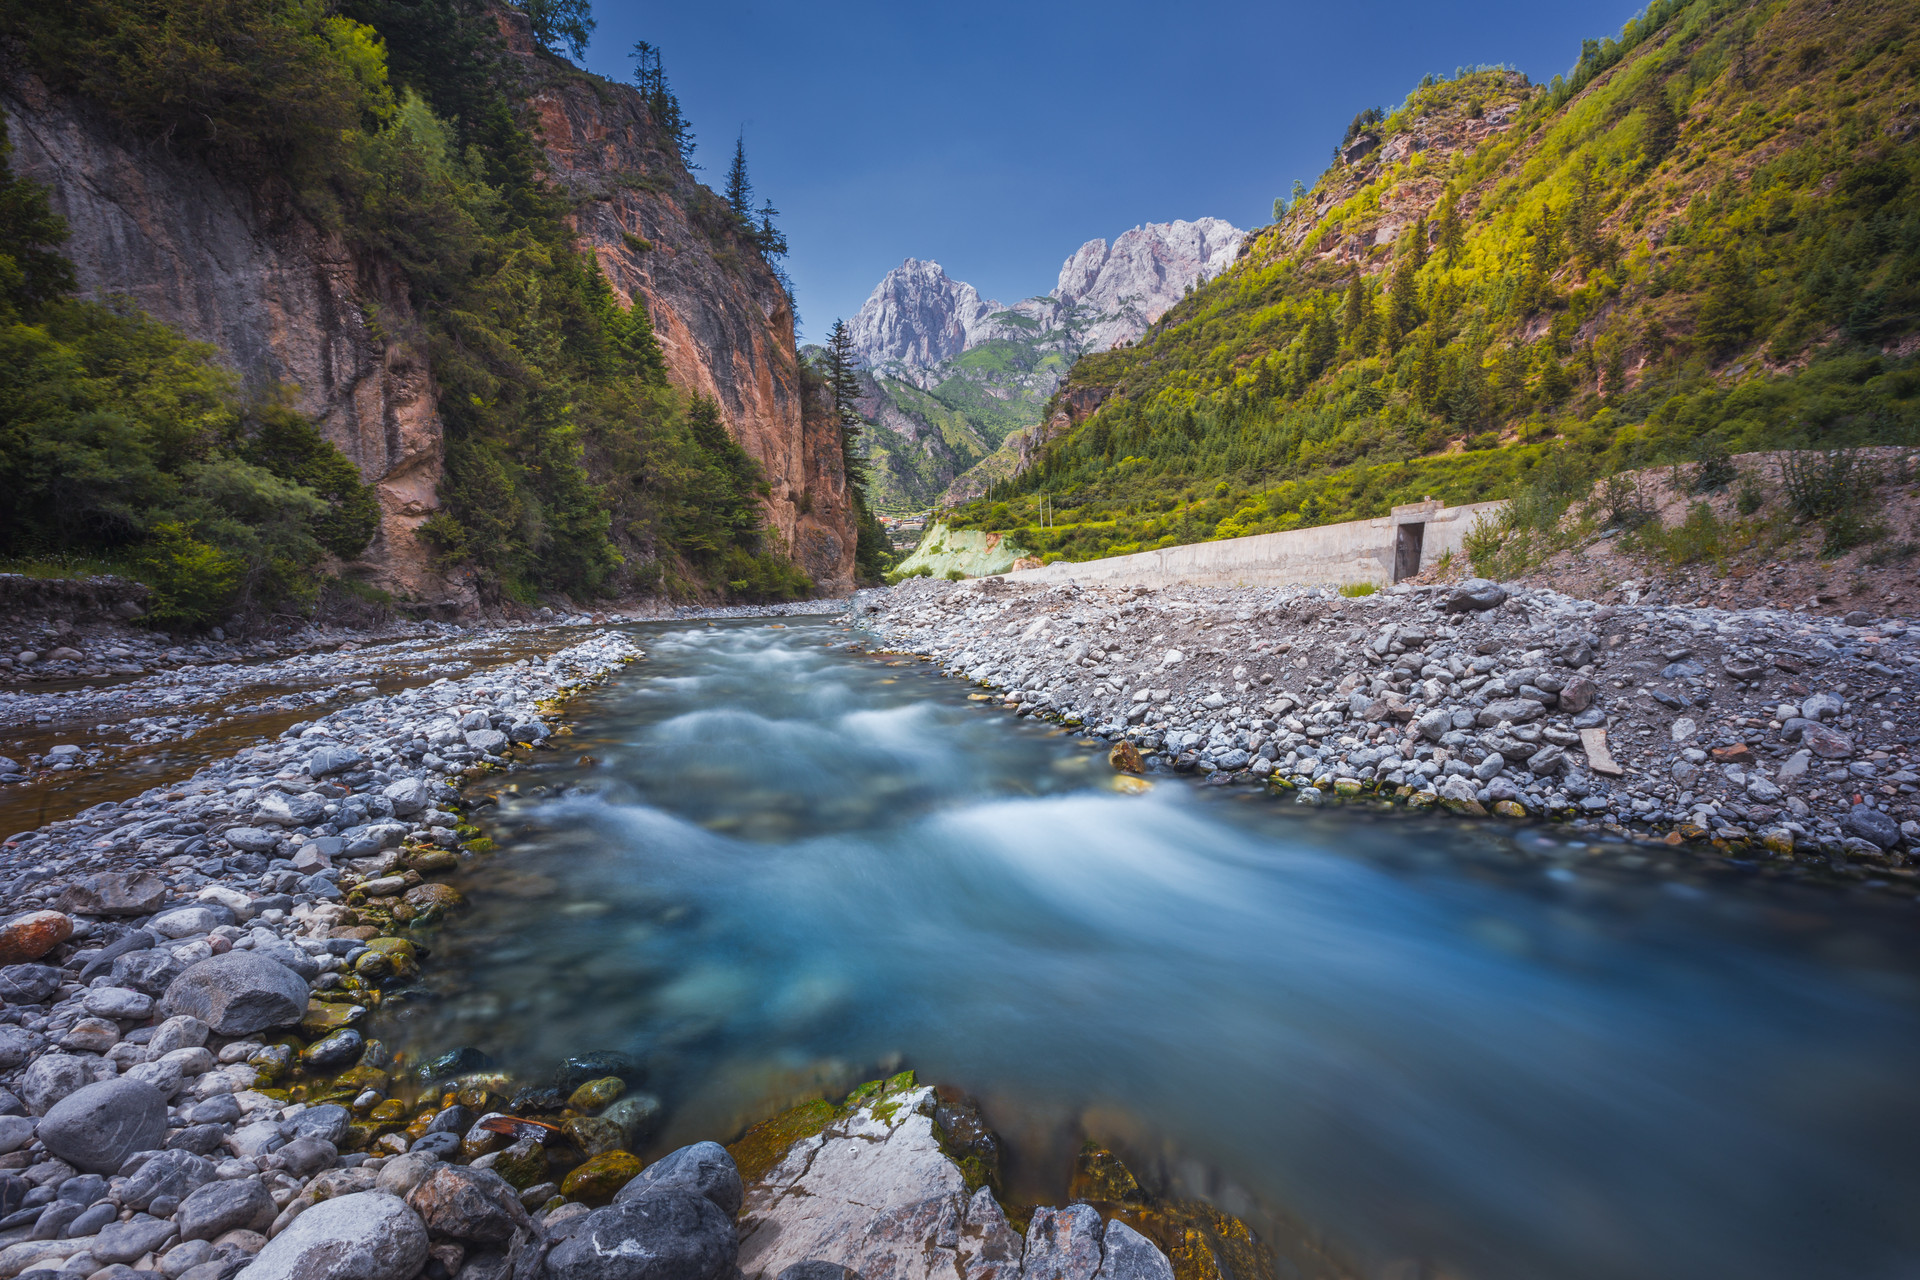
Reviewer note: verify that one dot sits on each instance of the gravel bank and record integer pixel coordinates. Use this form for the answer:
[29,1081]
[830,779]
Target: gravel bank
[1778,736]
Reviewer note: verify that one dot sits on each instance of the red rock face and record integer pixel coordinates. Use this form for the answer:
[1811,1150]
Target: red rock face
[282,302]
[723,320]
[33,935]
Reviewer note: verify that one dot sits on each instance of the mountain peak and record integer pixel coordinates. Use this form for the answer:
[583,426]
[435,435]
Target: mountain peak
[918,316]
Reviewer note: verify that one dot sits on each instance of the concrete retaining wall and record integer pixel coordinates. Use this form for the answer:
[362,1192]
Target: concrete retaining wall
[1328,555]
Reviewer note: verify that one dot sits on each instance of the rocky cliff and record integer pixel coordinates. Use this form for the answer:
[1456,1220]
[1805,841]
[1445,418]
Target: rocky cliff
[1120,289]
[723,320]
[282,301]
[285,303]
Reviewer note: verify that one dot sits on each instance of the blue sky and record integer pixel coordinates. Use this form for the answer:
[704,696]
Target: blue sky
[997,137]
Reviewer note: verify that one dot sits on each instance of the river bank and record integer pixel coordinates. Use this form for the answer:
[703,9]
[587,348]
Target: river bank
[1779,737]
[188,1088]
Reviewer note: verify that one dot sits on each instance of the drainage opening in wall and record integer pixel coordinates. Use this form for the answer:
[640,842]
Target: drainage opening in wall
[1406,552]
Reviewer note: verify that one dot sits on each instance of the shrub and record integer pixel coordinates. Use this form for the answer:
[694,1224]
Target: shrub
[1821,482]
[954,575]
[192,581]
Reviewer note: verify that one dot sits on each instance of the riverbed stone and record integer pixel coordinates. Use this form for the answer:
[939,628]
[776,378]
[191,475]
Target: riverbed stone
[475,1206]
[1873,825]
[331,760]
[600,1177]
[673,1235]
[150,971]
[32,934]
[596,1094]
[364,1236]
[252,839]
[238,993]
[224,1205]
[703,1168]
[186,922]
[127,1241]
[96,1127]
[29,983]
[1475,595]
[114,893]
[1063,1244]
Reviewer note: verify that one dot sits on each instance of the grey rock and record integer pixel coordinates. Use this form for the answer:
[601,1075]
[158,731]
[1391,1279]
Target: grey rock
[15,1133]
[705,1169]
[126,1241]
[53,1076]
[1828,744]
[1873,825]
[277,809]
[1063,1244]
[252,839]
[149,971]
[474,1206]
[304,1157]
[331,760]
[1475,595]
[29,983]
[408,796]
[1577,694]
[121,1003]
[1548,762]
[638,1115]
[486,739]
[91,1220]
[221,1206]
[166,1175]
[1125,1254]
[1516,710]
[815,1270]
[185,922]
[669,1234]
[1822,706]
[114,893]
[17,1044]
[239,992]
[251,1141]
[367,1235]
[135,940]
[336,1052]
[199,1139]
[327,1122]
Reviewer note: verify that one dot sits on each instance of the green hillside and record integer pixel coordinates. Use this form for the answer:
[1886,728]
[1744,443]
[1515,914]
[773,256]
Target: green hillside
[1705,238]
[922,439]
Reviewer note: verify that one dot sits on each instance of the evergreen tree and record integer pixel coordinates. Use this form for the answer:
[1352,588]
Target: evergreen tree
[1659,127]
[772,242]
[558,22]
[873,550]
[1730,312]
[662,106]
[32,268]
[739,190]
[1451,234]
[1403,305]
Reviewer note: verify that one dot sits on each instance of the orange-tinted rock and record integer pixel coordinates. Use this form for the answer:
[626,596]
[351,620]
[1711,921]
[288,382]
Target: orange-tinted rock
[32,935]
[1126,757]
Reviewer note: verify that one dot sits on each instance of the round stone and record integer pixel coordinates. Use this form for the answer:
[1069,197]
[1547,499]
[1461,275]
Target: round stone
[96,1128]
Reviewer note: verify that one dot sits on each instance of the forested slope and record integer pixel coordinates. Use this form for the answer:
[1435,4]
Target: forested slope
[403,140]
[1705,238]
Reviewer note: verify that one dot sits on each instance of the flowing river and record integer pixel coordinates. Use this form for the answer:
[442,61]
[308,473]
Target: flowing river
[1434,1047]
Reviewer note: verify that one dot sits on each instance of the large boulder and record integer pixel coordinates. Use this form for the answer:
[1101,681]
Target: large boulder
[1475,595]
[238,993]
[368,1235]
[114,893]
[668,1235]
[704,1169]
[97,1127]
[331,760]
[1873,825]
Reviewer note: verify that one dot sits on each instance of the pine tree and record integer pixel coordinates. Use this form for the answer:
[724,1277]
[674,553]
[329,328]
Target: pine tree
[739,190]
[772,242]
[650,77]
[1451,234]
[1403,306]
[1730,312]
[843,383]
[558,22]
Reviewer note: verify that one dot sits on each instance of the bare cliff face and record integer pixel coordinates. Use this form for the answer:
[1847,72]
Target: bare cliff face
[723,321]
[1124,287]
[282,302]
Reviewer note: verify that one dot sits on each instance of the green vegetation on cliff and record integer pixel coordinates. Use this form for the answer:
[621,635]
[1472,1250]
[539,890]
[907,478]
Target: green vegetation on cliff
[121,440]
[1707,238]
[570,464]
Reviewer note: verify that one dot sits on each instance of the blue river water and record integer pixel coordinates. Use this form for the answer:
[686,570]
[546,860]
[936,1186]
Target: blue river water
[771,865]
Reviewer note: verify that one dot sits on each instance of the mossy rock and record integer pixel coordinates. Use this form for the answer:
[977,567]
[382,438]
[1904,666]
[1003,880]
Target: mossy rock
[430,862]
[593,1135]
[596,1181]
[523,1165]
[324,1018]
[597,1095]
[1098,1174]
[762,1147]
[272,1062]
